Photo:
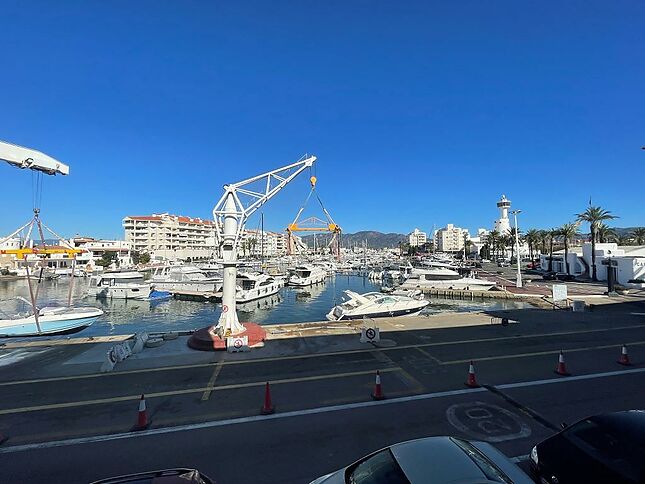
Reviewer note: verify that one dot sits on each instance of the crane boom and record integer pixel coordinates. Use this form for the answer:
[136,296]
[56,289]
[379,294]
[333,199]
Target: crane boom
[22,157]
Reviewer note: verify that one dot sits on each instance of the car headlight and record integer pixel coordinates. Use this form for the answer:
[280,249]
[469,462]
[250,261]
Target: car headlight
[534,455]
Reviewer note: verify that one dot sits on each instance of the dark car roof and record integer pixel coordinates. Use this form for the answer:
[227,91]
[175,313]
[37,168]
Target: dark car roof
[630,424]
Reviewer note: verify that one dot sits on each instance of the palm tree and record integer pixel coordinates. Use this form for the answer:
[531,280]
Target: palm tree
[606,234]
[568,232]
[493,240]
[594,216]
[639,235]
[552,234]
[532,238]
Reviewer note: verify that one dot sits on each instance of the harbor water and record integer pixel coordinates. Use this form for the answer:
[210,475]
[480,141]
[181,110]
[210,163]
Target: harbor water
[290,305]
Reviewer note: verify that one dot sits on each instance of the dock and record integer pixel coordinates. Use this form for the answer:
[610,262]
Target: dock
[470,294]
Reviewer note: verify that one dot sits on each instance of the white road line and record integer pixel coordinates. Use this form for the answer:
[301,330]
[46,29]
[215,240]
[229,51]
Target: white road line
[300,413]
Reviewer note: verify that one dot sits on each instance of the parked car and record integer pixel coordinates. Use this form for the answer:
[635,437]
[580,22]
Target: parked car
[431,459]
[607,448]
[170,476]
[549,275]
[503,263]
[561,276]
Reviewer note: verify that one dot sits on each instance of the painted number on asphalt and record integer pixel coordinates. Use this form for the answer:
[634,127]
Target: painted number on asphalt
[484,421]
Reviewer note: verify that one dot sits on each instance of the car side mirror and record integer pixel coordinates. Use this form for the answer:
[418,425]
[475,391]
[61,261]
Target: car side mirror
[564,425]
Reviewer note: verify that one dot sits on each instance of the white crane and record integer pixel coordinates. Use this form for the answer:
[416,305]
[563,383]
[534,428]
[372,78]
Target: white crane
[29,158]
[230,216]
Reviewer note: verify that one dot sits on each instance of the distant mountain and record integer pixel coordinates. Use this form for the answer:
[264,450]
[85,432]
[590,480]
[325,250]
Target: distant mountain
[375,240]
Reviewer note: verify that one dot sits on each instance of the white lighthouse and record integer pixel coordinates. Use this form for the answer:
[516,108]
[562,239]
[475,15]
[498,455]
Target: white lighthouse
[503,225]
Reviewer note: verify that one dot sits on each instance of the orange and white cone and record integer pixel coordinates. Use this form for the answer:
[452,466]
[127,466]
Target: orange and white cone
[471,381]
[624,357]
[268,407]
[561,369]
[378,390]
[142,419]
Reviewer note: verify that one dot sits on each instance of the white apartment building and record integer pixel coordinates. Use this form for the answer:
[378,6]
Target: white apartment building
[451,238]
[417,238]
[255,243]
[94,250]
[171,237]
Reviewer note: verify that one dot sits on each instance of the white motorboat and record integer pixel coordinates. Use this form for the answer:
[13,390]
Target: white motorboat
[256,285]
[51,319]
[120,285]
[376,305]
[444,278]
[306,275]
[180,278]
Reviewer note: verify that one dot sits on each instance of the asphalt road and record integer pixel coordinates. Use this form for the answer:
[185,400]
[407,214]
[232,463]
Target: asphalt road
[207,415]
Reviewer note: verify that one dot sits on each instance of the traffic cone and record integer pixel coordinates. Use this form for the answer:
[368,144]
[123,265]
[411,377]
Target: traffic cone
[561,369]
[624,357]
[378,391]
[267,408]
[142,419]
[471,381]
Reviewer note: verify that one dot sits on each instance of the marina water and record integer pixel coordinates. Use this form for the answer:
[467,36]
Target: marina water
[290,305]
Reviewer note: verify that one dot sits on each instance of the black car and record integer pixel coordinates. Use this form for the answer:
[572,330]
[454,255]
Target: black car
[607,448]
[169,476]
[549,276]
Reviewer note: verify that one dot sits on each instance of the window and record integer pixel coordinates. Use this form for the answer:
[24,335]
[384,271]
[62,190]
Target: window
[380,468]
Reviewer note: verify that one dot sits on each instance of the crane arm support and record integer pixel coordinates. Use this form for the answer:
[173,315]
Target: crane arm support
[22,157]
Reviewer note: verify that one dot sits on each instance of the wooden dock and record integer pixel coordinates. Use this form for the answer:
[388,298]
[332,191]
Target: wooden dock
[468,294]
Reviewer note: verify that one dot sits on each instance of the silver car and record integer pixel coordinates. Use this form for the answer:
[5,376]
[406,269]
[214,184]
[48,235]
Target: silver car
[431,460]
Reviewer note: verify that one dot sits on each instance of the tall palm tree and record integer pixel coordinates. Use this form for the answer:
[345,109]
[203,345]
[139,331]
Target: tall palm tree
[532,239]
[552,234]
[493,241]
[639,235]
[543,236]
[594,216]
[568,232]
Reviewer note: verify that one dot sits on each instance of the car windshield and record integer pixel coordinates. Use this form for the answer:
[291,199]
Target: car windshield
[616,452]
[490,470]
[380,468]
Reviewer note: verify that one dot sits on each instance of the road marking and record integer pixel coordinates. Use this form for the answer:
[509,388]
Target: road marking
[301,413]
[542,353]
[318,355]
[428,355]
[406,378]
[233,421]
[211,382]
[185,391]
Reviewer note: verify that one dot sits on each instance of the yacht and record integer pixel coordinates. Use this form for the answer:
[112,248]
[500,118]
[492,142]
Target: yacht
[52,320]
[185,279]
[376,305]
[444,278]
[306,275]
[122,285]
[256,285]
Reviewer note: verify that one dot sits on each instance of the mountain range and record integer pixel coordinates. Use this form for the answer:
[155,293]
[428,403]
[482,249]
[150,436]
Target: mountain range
[373,239]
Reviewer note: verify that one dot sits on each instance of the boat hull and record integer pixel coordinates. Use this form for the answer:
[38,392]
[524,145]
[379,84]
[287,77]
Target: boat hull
[49,326]
[385,314]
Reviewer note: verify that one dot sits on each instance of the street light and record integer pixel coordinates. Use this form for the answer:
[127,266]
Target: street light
[518,281]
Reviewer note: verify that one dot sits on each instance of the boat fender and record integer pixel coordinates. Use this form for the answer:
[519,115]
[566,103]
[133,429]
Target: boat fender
[154,342]
[170,336]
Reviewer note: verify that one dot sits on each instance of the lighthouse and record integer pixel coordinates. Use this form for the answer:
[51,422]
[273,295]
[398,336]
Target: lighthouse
[503,225]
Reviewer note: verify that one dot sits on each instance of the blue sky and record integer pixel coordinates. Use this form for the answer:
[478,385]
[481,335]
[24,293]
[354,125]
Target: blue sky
[420,113]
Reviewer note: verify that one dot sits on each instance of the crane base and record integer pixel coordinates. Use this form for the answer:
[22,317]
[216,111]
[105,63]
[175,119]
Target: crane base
[204,340]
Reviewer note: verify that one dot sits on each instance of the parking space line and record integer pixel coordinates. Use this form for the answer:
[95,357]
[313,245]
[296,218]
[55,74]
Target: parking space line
[428,355]
[321,355]
[186,391]
[211,382]
[406,378]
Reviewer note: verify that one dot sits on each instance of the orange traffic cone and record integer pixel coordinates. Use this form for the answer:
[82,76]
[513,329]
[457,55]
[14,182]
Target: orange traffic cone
[561,369]
[142,419]
[624,357]
[378,391]
[267,408]
[471,381]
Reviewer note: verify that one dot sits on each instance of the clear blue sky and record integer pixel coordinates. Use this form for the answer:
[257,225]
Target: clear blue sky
[421,113]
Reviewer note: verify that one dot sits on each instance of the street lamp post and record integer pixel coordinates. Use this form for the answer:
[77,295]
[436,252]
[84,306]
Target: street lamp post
[518,281]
